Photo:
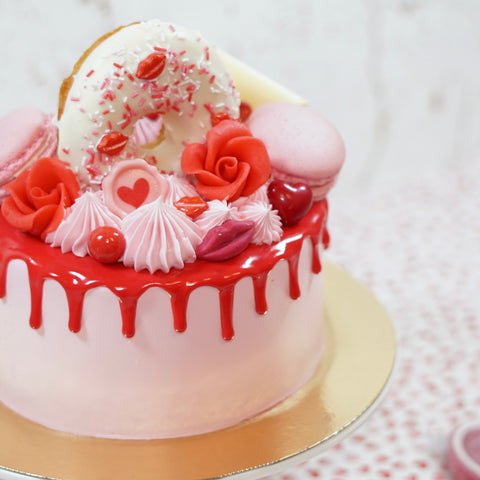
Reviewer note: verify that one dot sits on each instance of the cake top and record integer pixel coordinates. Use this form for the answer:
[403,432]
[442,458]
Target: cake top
[159,161]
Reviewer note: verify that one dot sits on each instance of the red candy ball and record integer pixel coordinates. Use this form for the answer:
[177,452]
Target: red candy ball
[106,244]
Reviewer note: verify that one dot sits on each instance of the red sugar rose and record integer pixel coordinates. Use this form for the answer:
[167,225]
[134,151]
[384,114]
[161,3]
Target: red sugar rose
[233,163]
[39,197]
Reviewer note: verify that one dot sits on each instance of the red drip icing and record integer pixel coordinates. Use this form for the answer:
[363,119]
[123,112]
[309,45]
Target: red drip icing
[75,307]
[179,302]
[128,308]
[259,291]
[316,264]
[325,238]
[3,277]
[293,275]
[78,275]
[226,311]
[36,292]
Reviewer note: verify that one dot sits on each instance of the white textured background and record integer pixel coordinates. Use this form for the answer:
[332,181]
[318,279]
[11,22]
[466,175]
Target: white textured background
[399,78]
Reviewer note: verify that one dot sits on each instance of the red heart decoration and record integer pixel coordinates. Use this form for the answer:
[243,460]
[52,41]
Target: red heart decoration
[137,195]
[291,201]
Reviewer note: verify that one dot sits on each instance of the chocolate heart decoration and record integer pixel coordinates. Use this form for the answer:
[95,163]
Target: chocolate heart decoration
[291,201]
[135,196]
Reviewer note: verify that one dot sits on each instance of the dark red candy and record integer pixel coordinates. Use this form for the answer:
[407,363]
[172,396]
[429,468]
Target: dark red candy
[291,201]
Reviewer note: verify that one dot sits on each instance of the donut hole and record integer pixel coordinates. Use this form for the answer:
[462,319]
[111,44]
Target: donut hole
[149,131]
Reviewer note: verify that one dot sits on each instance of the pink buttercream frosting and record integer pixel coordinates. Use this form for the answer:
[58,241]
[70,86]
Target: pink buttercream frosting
[85,215]
[178,187]
[268,224]
[219,211]
[159,237]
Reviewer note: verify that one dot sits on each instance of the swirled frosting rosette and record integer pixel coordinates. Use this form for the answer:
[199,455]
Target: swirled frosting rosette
[159,237]
[217,213]
[268,224]
[83,217]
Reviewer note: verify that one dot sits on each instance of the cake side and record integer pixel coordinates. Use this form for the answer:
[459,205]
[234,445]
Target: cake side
[160,382]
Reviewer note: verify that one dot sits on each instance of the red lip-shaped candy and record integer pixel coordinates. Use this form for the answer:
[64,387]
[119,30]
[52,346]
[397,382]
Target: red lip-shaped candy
[226,241]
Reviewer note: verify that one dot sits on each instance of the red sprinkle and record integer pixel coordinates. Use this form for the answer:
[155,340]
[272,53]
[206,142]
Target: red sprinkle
[90,73]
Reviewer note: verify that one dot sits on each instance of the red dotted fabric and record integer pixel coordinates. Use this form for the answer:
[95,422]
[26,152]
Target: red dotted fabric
[416,246]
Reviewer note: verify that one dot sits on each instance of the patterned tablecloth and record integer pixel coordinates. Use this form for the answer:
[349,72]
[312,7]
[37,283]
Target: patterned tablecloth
[416,246]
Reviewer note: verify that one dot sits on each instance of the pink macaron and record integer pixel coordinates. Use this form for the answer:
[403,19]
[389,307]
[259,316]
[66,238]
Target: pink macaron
[26,135]
[302,145]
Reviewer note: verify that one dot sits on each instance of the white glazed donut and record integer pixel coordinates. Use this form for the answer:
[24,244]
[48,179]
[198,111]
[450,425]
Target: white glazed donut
[144,70]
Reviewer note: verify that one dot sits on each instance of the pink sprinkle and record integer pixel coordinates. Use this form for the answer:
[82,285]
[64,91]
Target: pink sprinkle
[160,49]
[109,125]
[183,52]
[89,73]
[82,110]
[207,53]
[134,94]
[120,85]
[184,143]
[172,28]
[130,77]
[101,102]
[144,86]
[212,79]
[95,132]
[66,150]
[75,99]
[141,102]
[203,70]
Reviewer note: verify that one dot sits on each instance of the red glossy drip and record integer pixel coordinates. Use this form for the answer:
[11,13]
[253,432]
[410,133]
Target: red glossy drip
[179,302]
[226,311]
[259,291]
[325,238]
[78,275]
[316,264]
[75,308]
[128,308]
[36,294]
[293,275]
[3,277]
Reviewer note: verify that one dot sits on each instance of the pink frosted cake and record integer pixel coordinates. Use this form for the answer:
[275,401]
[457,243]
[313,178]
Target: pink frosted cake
[160,268]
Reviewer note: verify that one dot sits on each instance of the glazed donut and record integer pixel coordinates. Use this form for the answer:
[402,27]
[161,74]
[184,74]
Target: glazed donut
[144,91]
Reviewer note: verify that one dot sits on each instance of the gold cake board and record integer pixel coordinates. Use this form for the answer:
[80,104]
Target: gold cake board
[346,388]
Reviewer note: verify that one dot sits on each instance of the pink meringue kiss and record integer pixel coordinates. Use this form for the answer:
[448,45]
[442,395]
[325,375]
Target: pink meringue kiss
[464,452]
[226,241]
[131,184]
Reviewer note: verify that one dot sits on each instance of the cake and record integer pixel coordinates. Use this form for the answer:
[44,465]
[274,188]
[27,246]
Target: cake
[160,269]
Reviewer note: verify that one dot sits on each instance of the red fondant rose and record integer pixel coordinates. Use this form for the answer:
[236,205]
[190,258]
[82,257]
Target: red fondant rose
[39,197]
[233,163]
